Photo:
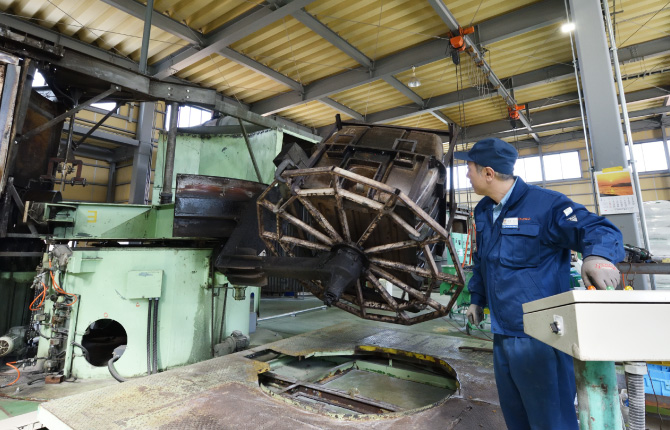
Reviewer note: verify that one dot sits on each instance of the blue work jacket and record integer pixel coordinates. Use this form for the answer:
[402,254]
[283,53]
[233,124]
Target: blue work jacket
[525,254]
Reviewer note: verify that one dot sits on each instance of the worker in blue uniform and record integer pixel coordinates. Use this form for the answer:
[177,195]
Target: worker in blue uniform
[524,237]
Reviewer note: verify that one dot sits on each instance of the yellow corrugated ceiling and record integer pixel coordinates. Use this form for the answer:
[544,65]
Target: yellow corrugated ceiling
[294,50]
[313,114]
[371,97]
[204,16]
[232,79]
[378,29]
[424,120]
[639,21]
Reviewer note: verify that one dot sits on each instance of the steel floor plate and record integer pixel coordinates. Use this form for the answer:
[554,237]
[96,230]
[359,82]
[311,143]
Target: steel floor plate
[223,393]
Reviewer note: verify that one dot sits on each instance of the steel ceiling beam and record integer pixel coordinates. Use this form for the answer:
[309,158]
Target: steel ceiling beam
[641,51]
[94,152]
[525,80]
[404,89]
[341,108]
[501,128]
[94,62]
[425,53]
[118,139]
[333,38]
[641,125]
[190,35]
[227,35]
[442,117]
[55,38]
[514,24]
[264,70]
[159,20]
[478,58]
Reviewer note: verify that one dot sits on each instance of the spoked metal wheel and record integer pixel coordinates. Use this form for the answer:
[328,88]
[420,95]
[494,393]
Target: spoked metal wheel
[323,210]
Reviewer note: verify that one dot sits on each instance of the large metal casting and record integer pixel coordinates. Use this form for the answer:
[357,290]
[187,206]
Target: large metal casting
[211,206]
[379,193]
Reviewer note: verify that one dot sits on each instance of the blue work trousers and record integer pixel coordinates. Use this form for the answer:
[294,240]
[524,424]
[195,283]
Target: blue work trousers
[536,384]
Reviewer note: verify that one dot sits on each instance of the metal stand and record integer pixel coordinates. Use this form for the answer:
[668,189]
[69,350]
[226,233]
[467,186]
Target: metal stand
[597,395]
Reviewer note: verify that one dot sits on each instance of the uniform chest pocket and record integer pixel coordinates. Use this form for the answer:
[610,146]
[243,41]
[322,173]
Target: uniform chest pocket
[520,247]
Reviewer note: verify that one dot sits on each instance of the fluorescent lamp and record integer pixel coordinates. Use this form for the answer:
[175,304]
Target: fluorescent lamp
[568,27]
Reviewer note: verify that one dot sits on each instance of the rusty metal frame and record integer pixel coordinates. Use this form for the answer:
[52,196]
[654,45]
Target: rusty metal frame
[71,112]
[322,236]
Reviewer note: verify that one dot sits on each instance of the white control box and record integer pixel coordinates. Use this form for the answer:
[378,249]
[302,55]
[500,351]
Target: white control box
[603,325]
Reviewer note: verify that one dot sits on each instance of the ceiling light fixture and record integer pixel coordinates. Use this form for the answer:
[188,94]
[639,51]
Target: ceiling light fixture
[568,27]
[414,82]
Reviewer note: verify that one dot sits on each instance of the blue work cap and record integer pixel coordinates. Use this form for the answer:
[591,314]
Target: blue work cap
[492,152]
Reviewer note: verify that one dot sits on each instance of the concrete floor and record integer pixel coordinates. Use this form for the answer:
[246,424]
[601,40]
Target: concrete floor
[274,329]
[303,322]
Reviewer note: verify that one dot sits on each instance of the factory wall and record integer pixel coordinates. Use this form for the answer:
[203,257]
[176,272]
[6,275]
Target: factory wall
[97,173]
[654,185]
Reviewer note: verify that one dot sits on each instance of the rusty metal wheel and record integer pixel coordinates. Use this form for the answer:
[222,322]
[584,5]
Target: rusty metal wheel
[320,210]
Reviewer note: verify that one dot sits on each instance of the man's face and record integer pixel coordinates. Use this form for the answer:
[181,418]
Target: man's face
[476,178]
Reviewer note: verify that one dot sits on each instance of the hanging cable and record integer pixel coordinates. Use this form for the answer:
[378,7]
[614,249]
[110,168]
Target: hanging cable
[18,374]
[41,295]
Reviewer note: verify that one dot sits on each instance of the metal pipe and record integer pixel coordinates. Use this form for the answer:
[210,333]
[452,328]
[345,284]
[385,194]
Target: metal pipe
[644,268]
[149,337]
[597,395]
[251,152]
[629,133]
[166,193]
[664,135]
[223,314]
[146,36]
[155,340]
[292,314]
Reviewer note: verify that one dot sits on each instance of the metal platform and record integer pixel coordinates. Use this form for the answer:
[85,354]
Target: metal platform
[224,392]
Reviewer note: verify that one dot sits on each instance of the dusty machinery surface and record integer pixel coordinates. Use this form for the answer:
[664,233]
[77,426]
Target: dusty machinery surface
[367,210]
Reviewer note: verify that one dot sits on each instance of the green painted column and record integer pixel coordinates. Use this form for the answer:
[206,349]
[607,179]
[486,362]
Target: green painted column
[598,396]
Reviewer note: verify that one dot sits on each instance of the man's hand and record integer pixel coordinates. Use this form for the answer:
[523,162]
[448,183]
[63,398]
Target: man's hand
[600,273]
[475,314]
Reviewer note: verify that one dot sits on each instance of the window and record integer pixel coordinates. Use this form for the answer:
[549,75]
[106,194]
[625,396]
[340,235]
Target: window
[106,106]
[461,181]
[529,169]
[649,156]
[38,80]
[189,116]
[565,165]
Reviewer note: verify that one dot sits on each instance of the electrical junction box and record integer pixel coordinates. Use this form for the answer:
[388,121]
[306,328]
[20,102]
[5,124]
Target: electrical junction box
[143,284]
[603,325]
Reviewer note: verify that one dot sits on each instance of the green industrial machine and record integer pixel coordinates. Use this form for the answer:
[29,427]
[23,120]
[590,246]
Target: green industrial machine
[124,290]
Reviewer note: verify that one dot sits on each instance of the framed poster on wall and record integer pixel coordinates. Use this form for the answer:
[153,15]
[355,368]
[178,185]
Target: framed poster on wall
[616,194]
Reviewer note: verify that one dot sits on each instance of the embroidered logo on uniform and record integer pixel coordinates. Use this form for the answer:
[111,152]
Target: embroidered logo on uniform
[573,218]
[510,223]
[567,211]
